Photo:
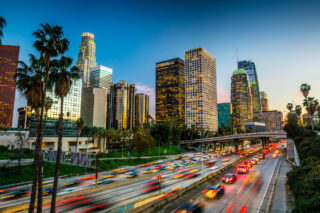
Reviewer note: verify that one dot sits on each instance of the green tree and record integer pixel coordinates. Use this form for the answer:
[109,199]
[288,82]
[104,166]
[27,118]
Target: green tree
[289,106]
[48,102]
[64,76]
[141,143]
[311,104]
[2,25]
[80,125]
[305,89]
[109,136]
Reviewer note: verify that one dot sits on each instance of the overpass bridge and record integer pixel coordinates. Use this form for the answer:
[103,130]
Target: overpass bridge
[238,139]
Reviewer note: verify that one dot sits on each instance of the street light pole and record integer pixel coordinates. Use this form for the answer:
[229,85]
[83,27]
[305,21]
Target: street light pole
[202,164]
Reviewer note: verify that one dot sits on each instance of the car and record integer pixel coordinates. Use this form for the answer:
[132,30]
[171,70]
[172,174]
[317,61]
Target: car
[145,165]
[190,175]
[193,170]
[17,193]
[178,158]
[277,151]
[148,171]
[261,156]
[229,178]
[253,161]
[120,170]
[194,207]
[247,163]
[110,175]
[159,167]
[151,186]
[242,169]
[213,191]
[274,155]
[256,158]
[133,173]
[180,174]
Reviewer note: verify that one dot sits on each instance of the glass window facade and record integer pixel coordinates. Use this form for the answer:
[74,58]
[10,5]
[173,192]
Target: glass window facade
[9,57]
[101,77]
[170,91]
[224,114]
[24,117]
[273,120]
[201,89]
[142,109]
[264,101]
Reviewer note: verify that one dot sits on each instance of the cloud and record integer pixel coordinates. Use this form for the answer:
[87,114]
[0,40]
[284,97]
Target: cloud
[142,88]
[223,95]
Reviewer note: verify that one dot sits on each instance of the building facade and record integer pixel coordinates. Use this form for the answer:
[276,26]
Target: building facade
[241,101]
[9,57]
[224,114]
[94,107]
[141,109]
[101,77]
[86,57]
[264,101]
[170,91]
[250,68]
[201,89]
[24,117]
[121,106]
[71,112]
[273,120]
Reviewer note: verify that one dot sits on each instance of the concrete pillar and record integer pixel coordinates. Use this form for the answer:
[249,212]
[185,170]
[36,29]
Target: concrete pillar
[214,146]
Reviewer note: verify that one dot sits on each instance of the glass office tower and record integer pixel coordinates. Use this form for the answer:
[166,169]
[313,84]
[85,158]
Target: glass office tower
[170,92]
[241,101]
[224,114]
[264,101]
[250,68]
[201,89]
[141,109]
[86,57]
[101,77]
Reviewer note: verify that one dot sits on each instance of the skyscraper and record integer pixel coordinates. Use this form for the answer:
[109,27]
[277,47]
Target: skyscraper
[273,120]
[264,101]
[24,117]
[86,57]
[250,68]
[9,57]
[101,77]
[170,90]
[241,100]
[71,112]
[201,89]
[224,114]
[141,109]
[121,106]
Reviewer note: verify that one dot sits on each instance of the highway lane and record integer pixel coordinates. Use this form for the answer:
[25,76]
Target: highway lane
[243,196]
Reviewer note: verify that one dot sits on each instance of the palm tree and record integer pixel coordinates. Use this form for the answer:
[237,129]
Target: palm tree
[64,75]
[110,135]
[298,113]
[80,125]
[48,102]
[2,25]
[305,88]
[29,82]
[289,106]
[311,104]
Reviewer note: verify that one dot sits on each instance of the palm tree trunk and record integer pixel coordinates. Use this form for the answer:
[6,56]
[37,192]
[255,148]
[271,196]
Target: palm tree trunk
[99,144]
[59,152]
[35,166]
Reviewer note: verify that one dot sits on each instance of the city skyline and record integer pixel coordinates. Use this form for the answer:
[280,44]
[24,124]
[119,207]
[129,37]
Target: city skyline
[135,57]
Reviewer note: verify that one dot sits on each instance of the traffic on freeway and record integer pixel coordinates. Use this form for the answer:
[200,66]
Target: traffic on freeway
[179,173]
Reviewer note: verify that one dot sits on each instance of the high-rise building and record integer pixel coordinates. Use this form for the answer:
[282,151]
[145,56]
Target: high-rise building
[101,77]
[224,114]
[201,89]
[9,57]
[24,117]
[121,106]
[170,92]
[250,68]
[273,120]
[264,101]
[142,109]
[71,112]
[94,106]
[86,57]
[241,101]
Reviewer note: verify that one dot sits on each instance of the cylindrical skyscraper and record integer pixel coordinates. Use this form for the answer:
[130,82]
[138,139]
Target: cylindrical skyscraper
[86,57]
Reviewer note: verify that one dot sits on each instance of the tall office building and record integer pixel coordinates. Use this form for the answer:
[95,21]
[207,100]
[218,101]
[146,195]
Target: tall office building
[94,106]
[224,114]
[101,77]
[9,57]
[86,57]
[201,89]
[141,109]
[170,91]
[71,112]
[273,120]
[241,101]
[121,106]
[24,117]
[250,68]
[264,101]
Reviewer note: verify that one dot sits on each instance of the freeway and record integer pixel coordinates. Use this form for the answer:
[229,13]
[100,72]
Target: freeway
[115,197]
[246,194]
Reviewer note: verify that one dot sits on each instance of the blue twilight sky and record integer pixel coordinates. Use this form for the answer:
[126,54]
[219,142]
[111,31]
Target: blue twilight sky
[281,37]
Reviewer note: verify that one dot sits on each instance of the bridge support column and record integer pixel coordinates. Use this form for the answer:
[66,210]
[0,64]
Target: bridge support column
[214,144]
[236,144]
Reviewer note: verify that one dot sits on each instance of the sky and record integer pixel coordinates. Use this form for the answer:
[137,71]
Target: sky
[281,37]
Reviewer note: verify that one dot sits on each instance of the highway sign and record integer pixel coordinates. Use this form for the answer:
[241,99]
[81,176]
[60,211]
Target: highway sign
[159,178]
